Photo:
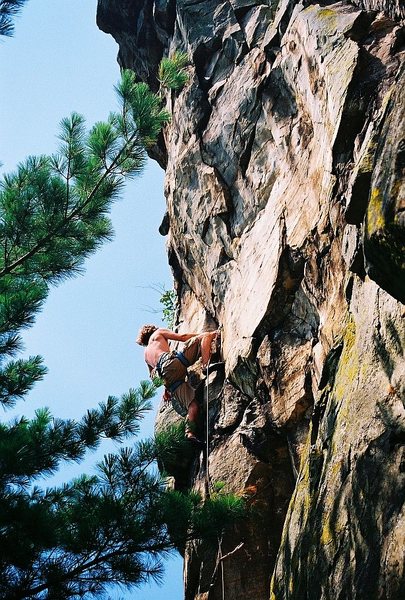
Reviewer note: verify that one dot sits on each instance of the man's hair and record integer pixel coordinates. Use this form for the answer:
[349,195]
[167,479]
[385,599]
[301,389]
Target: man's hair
[144,334]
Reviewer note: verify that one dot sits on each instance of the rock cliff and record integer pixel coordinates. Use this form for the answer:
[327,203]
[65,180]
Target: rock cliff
[285,162]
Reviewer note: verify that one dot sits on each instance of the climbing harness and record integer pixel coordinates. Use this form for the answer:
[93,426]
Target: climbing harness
[182,358]
[159,364]
[173,386]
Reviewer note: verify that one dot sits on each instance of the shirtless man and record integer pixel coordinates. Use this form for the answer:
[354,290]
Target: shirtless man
[171,366]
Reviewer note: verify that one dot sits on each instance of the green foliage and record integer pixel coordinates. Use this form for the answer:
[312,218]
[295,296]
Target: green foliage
[188,517]
[33,448]
[217,514]
[141,110]
[218,487]
[9,9]
[66,541]
[168,299]
[172,74]
[112,527]
[18,377]
[172,438]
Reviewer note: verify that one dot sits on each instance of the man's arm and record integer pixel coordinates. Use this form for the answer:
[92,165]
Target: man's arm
[177,337]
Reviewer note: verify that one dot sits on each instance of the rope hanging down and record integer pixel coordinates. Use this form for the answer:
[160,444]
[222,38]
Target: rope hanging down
[220,556]
[207,476]
[207,393]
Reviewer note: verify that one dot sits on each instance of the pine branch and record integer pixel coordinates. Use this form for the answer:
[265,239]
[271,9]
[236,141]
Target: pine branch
[29,449]
[86,567]
[53,213]
[172,74]
[9,9]
[89,173]
[100,534]
[70,217]
[18,377]
[10,344]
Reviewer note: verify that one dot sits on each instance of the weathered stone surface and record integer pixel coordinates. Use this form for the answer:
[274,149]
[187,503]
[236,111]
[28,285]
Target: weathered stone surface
[132,26]
[384,231]
[285,221]
[394,8]
[344,532]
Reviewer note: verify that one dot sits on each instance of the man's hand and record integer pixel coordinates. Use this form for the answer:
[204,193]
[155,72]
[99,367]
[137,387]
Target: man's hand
[167,395]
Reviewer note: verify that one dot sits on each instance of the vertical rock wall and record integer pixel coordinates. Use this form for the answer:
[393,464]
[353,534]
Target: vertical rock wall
[285,220]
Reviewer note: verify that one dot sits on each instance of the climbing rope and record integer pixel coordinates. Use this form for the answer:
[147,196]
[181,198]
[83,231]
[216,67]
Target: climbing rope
[207,395]
[207,476]
[221,561]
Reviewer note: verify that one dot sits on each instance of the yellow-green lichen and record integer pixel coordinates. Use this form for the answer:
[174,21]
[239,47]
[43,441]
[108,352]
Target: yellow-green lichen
[349,362]
[349,336]
[336,470]
[329,20]
[326,12]
[302,494]
[330,532]
[367,160]
[375,215]
[347,379]
[327,535]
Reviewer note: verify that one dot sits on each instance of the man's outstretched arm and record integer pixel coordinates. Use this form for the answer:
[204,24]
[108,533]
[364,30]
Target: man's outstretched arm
[177,337]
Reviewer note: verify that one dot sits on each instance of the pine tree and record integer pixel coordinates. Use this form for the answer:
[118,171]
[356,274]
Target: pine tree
[53,215]
[112,527]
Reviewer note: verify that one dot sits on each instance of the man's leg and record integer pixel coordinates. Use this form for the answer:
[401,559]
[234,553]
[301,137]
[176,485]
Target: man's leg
[200,346]
[192,416]
[206,346]
[183,401]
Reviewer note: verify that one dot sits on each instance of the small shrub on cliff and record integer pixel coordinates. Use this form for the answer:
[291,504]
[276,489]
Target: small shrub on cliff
[169,301]
[171,71]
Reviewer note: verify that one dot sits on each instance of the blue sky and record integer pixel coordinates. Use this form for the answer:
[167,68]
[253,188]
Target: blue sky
[58,62]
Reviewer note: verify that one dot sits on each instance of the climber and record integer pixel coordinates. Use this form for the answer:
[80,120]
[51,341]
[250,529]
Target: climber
[171,366]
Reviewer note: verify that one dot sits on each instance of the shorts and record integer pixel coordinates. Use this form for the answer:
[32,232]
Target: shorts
[172,370]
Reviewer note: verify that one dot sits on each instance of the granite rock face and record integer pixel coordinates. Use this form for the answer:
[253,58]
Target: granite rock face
[285,222]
